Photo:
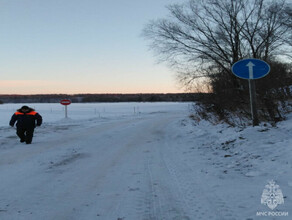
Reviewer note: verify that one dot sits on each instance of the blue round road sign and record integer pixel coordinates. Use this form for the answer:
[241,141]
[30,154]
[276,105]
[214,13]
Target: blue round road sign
[250,69]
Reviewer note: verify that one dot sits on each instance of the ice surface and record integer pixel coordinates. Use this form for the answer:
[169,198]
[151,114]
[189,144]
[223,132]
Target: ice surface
[140,161]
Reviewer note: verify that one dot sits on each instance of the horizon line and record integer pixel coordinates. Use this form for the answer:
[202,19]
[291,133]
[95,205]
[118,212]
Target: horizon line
[74,94]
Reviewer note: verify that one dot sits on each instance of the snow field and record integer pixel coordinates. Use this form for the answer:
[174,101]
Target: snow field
[53,112]
[151,164]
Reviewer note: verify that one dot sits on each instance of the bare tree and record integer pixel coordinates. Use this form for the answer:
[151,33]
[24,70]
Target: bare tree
[288,23]
[202,36]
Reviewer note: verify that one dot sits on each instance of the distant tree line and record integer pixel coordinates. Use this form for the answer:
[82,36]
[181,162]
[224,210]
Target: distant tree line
[84,98]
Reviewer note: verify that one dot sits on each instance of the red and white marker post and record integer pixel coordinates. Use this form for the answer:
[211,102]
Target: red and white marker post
[65,102]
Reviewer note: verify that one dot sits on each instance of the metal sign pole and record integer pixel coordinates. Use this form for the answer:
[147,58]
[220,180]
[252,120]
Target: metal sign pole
[251,69]
[253,108]
[65,102]
[66,113]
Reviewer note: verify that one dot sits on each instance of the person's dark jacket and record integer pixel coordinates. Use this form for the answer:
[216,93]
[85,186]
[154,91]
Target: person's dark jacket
[27,120]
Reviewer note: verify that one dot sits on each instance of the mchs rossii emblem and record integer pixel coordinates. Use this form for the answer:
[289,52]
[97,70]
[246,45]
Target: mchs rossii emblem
[272,195]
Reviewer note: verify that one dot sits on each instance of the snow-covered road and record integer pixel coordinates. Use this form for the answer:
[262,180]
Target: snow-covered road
[155,166]
[121,169]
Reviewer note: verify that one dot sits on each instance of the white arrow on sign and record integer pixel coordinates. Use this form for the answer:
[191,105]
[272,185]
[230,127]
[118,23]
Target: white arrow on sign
[250,66]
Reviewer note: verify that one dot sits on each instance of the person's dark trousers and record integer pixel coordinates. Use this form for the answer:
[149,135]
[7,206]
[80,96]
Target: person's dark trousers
[25,134]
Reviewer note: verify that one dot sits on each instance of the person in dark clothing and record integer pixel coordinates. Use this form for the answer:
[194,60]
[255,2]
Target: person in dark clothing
[27,119]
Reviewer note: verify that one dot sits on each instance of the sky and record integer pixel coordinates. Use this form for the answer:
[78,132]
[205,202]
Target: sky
[80,46]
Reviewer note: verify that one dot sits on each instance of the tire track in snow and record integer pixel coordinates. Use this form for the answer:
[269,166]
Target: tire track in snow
[201,200]
[165,198]
[154,198]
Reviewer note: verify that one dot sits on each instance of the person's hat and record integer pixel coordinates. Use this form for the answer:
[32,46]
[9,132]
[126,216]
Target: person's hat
[24,107]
